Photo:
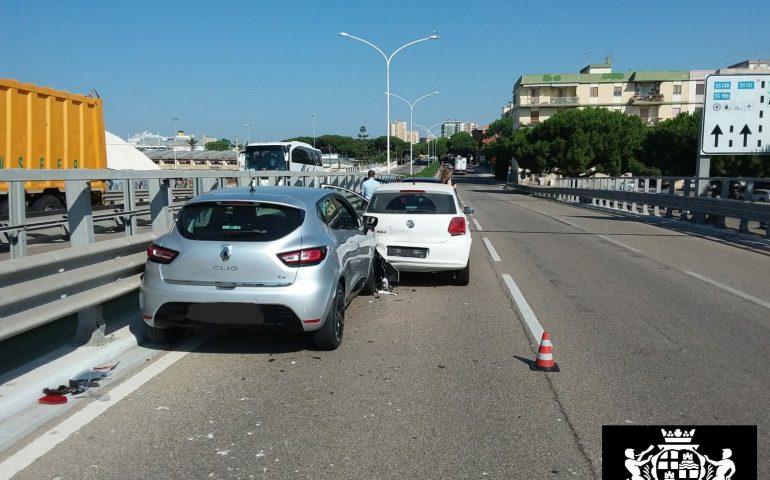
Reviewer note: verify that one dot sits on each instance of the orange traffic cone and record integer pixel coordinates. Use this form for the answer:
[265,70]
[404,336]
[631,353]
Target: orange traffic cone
[544,361]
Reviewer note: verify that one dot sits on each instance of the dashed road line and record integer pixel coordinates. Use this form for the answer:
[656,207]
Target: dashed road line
[476,222]
[526,311]
[745,296]
[492,251]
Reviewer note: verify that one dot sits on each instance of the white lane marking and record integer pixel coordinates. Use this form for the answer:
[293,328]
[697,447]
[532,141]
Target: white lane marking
[492,251]
[476,222]
[529,316]
[40,446]
[745,296]
[623,245]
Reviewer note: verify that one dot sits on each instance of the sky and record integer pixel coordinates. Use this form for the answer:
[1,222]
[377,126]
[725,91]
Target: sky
[282,66]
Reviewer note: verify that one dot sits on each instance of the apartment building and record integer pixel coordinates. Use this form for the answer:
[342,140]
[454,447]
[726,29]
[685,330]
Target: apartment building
[650,95]
[450,127]
[398,129]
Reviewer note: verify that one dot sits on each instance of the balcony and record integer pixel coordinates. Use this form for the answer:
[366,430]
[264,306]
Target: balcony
[647,99]
[564,101]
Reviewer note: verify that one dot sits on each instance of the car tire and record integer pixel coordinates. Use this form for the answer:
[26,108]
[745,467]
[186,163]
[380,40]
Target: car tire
[463,277]
[370,286]
[163,335]
[329,336]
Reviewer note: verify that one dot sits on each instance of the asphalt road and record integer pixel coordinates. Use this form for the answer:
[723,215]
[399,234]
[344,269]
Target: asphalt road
[650,325]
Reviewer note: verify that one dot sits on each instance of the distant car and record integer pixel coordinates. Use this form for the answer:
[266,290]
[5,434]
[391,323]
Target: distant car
[470,168]
[286,258]
[422,228]
[758,195]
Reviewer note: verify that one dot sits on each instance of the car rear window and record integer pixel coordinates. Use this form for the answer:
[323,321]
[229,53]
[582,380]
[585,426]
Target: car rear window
[412,202]
[238,221]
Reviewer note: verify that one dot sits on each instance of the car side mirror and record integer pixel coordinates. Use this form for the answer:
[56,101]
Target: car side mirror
[369,223]
[468,210]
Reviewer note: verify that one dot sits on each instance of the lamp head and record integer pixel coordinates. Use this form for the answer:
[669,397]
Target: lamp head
[434,36]
[344,34]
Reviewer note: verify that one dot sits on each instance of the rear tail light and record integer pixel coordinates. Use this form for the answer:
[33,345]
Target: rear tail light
[457,226]
[158,254]
[303,258]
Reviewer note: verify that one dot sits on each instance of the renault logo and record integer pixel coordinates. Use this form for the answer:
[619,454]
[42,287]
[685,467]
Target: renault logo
[410,223]
[226,253]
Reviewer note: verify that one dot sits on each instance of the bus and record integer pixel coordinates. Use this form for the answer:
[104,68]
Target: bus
[282,157]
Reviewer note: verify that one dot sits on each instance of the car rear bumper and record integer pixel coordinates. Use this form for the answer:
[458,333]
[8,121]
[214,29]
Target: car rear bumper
[452,255]
[301,306]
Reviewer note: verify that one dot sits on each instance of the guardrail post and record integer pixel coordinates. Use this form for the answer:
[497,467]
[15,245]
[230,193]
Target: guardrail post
[658,185]
[91,325]
[79,214]
[646,188]
[671,191]
[160,213]
[17,215]
[129,206]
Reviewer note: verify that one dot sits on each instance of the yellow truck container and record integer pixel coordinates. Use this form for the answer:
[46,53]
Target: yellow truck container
[43,128]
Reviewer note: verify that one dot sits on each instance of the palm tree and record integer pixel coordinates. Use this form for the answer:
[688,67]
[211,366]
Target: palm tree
[192,141]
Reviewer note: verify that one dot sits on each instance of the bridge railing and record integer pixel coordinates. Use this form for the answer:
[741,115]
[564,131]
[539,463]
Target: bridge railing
[41,288]
[713,199]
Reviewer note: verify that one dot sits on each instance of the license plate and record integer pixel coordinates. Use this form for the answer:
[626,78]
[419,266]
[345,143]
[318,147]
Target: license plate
[228,313]
[410,252]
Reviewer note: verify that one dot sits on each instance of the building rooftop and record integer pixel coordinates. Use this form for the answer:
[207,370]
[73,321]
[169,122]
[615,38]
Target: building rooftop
[548,79]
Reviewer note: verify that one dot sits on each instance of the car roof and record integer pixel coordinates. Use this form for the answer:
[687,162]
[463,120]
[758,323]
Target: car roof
[424,186]
[299,197]
[420,179]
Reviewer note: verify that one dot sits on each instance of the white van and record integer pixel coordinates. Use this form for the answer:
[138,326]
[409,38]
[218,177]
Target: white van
[461,164]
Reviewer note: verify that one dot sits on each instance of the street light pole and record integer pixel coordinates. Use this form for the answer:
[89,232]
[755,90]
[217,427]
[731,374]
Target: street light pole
[313,115]
[387,77]
[173,138]
[248,133]
[411,126]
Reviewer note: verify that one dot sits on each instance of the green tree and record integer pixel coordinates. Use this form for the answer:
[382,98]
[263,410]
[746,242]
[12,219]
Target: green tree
[192,141]
[219,145]
[499,129]
[671,146]
[574,142]
[462,143]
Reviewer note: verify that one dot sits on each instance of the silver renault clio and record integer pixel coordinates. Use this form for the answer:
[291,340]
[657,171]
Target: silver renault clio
[287,258]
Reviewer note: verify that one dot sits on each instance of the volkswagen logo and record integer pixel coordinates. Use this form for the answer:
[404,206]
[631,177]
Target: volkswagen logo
[410,223]
[226,252]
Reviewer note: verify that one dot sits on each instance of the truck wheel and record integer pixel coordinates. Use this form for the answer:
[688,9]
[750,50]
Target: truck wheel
[47,203]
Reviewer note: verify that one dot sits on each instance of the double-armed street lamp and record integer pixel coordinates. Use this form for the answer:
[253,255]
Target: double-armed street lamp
[429,130]
[388,58]
[411,126]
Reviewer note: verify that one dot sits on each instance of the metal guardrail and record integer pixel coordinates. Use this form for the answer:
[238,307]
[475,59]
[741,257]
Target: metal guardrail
[614,193]
[41,288]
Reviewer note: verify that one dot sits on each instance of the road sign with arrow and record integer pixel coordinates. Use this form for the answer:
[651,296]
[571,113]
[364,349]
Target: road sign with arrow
[736,115]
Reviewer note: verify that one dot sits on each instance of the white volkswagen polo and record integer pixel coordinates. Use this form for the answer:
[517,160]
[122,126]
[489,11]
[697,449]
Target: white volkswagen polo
[422,228]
